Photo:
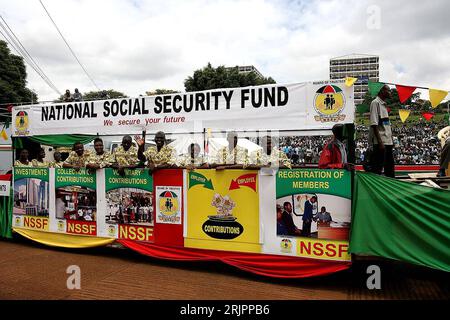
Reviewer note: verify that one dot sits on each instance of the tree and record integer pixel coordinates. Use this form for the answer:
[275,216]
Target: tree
[160,91]
[221,77]
[13,77]
[99,95]
[394,101]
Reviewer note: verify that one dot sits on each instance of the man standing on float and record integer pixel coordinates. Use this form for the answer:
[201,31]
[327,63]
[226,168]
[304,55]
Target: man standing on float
[160,156]
[125,156]
[231,156]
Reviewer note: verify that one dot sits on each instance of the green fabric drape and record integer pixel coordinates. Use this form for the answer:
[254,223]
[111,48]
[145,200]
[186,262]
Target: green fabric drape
[17,143]
[401,221]
[58,140]
[6,204]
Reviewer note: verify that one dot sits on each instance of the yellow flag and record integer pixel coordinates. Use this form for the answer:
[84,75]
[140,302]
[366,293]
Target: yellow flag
[4,134]
[349,81]
[436,96]
[404,114]
[209,132]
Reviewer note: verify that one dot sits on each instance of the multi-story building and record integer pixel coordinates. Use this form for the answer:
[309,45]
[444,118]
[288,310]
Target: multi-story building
[362,66]
[248,69]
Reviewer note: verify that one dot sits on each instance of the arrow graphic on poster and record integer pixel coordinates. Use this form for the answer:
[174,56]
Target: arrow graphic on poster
[246,180]
[199,179]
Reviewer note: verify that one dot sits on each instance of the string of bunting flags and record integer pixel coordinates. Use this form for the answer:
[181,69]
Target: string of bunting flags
[404,93]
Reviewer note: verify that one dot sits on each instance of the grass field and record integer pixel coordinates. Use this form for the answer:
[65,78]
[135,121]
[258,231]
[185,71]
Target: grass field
[413,119]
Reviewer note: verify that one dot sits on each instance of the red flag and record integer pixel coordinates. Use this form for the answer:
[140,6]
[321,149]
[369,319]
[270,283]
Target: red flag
[10,108]
[404,92]
[246,180]
[388,109]
[427,115]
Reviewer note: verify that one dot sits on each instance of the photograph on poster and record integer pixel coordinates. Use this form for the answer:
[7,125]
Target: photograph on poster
[311,215]
[76,203]
[31,197]
[129,206]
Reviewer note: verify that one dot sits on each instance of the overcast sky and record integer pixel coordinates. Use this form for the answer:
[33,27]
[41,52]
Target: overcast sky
[138,45]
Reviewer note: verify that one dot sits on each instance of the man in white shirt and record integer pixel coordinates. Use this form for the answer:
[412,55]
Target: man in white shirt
[380,135]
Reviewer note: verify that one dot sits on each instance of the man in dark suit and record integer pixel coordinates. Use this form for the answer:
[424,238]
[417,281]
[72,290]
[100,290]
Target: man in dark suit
[308,216]
[288,221]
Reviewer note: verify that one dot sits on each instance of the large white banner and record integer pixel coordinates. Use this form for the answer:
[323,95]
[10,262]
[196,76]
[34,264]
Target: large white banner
[301,106]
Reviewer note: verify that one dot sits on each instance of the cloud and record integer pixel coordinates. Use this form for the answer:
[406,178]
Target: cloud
[136,46]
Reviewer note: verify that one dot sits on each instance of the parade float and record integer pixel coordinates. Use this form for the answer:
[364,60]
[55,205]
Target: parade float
[221,215]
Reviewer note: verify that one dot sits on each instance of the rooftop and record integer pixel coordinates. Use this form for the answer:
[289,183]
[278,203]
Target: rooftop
[355,56]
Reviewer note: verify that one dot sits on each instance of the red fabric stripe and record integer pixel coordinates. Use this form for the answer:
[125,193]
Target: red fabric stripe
[262,264]
[5,177]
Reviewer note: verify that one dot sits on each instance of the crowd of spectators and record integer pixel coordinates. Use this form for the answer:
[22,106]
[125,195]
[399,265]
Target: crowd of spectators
[301,150]
[413,144]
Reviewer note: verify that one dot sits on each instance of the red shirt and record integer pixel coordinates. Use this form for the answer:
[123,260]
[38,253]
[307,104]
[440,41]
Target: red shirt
[331,157]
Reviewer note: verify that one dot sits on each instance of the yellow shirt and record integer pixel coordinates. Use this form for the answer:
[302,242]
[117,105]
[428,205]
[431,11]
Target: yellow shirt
[126,158]
[104,160]
[237,156]
[17,163]
[76,160]
[186,160]
[276,158]
[165,156]
[55,164]
[38,164]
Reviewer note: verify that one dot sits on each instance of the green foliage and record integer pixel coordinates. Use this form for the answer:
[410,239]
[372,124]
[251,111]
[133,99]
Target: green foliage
[413,119]
[104,94]
[394,101]
[160,91]
[213,78]
[13,77]
[98,95]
